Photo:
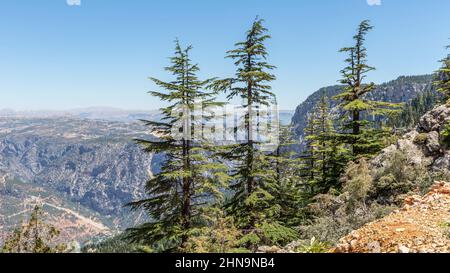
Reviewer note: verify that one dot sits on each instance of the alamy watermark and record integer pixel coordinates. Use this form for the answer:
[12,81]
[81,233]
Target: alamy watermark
[228,124]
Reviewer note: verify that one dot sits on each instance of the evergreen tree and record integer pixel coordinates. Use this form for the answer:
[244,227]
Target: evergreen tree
[364,139]
[254,181]
[36,236]
[324,148]
[416,108]
[309,154]
[189,183]
[290,194]
[442,81]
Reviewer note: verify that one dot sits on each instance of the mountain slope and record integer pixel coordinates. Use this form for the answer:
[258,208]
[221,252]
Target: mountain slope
[76,222]
[92,163]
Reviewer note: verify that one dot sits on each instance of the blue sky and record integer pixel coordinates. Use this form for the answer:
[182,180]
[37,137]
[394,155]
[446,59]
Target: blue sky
[100,53]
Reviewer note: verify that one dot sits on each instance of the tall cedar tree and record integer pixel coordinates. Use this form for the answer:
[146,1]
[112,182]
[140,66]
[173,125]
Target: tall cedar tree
[309,153]
[189,183]
[253,205]
[442,81]
[325,153]
[354,101]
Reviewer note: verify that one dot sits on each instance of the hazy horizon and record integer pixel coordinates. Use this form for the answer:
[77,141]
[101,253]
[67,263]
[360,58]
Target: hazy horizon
[100,54]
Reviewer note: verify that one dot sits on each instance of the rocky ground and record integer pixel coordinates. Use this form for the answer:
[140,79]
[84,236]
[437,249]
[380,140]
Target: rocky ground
[422,146]
[421,226]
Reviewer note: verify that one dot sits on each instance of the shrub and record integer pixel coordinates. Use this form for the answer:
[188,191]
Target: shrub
[314,246]
[357,181]
[421,139]
[221,236]
[396,179]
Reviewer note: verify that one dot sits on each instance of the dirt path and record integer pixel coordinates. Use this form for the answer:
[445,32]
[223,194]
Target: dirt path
[422,226]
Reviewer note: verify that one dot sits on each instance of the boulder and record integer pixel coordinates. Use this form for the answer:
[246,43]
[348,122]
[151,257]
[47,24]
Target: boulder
[442,162]
[434,119]
[432,144]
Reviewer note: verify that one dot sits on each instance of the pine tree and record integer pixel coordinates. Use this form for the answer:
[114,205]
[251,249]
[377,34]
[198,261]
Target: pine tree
[254,182]
[36,236]
[309,156]
[442,81]
[416,108]
[364,139]
[290,194]
[189,183]
[324,149]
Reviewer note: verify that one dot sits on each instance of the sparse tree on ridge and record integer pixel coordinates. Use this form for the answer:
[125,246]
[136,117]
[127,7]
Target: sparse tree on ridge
[356,129]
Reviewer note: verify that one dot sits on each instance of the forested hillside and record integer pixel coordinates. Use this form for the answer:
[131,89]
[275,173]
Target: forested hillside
[208,195]
[306,200]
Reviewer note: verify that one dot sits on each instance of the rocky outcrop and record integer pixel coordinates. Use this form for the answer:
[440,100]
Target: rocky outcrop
[421,226]
[422,146]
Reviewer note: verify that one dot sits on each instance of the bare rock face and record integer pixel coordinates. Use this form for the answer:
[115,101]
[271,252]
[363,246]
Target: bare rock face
[435,119]
[433,145]
[414,152]
[422,146]
[442,163]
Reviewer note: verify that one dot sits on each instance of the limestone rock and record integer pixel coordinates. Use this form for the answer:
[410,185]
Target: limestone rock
[432,144]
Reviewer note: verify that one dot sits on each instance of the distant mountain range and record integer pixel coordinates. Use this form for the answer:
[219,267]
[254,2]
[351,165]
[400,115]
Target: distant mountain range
[106,114]
[92,113]
[92,164]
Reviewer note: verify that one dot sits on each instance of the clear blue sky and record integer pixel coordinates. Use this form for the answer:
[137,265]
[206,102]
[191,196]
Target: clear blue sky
[100,53]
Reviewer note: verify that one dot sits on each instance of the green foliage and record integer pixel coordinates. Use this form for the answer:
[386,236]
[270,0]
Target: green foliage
[332,217]
[220,235]
[325,156]
[116,244]
[364,138]
[276,233]
[35,236]
[314,246]
[416,108]
[290,193]
[421,139]
[396,179]
[357,182]
[253,204]
[442,78]
[190,180]
[276,198]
